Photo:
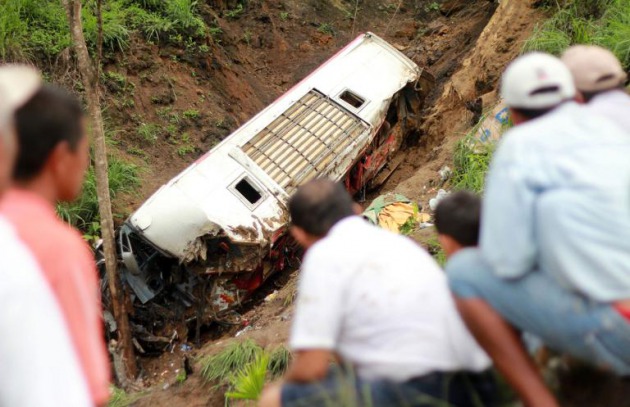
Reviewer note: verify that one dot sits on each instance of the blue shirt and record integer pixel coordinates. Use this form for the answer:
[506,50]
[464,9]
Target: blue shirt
[558,201]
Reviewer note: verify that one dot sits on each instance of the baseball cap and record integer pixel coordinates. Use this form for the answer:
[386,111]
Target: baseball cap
[536,81]
[594,68]
[18,83]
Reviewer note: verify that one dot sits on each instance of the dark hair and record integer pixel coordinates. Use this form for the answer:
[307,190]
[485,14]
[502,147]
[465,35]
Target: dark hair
[51,116]
[318,205]
[532,113]
[458,215]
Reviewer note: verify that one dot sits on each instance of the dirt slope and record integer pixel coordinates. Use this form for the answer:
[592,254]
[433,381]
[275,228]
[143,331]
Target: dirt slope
[466,46]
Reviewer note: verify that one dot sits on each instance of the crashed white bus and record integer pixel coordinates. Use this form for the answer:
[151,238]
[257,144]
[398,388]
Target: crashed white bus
[208,238]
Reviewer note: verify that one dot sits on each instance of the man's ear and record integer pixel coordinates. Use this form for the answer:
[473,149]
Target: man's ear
[300,236]
[57,157]
[358,210]
[449,245]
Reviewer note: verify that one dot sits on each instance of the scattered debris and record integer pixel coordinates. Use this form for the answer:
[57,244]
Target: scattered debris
[445,173]
[433,202]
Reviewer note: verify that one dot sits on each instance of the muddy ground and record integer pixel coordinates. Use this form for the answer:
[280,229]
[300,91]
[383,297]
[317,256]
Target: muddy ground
[271,46]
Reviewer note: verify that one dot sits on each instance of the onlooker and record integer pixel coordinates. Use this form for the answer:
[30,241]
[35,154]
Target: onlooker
[39,363]
[555,233]
[600,80]
[53,157]
[378,303]
[457,221]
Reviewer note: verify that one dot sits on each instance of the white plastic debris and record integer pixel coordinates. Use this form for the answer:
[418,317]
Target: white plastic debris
[445,173]
[433,202]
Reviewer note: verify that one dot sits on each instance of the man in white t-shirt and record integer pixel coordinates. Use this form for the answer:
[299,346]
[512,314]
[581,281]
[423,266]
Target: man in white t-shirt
[39,367]
[380,305]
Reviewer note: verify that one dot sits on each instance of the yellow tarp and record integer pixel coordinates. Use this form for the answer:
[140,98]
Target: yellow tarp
[393,216]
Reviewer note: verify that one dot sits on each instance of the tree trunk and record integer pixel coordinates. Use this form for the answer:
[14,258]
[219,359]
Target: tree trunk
[89,77]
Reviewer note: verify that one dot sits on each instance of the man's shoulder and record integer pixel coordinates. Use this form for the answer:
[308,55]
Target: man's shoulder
[16,261]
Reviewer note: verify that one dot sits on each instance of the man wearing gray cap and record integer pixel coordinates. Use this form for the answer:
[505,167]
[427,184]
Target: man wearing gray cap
[39,364]
[599,79]
[555,233]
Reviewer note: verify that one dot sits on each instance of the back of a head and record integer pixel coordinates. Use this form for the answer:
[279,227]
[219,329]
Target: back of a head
[49,117]
[458,216]
[318,205]
[536,82]
[594,69]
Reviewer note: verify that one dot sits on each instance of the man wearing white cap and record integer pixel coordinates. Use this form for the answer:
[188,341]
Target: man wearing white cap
[555,233]
[39,364]
[599,79]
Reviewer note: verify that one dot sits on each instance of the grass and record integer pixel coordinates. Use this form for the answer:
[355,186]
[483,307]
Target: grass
[191,114]
[248,383]
[244,367]
[33,30]
[149,132]
[219,367]
[326,28]
[601,22]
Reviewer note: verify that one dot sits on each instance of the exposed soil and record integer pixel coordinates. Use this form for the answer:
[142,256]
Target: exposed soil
[260,55]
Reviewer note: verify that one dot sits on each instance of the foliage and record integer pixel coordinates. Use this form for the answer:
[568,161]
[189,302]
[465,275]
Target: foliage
[244,367]
[83,213]
[326,28]
[235,12]
[600,22]
[149,132]
[284,15]
[435,249]
[185,150]
[412,223]
[191,114]
[235,357]
[38,29]
[119,398]
[471,162]
[279,361]
[247,383]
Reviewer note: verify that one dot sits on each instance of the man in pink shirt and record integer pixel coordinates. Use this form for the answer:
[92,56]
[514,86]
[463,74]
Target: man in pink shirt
[52,159]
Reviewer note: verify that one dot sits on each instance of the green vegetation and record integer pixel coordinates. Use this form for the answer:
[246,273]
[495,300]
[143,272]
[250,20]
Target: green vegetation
[601,22]
[471,162]
[411,224]
[247,383]
[121,399]
[38,29]
[149,132]
[243,368]
[284,16]
[185,150]
[191,114]
[83,213]
[435,249]
[326,28]
[235,12]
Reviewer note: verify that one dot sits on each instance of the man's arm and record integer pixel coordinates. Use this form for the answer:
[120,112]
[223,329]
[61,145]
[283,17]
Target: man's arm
[309,365]
[508,215]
